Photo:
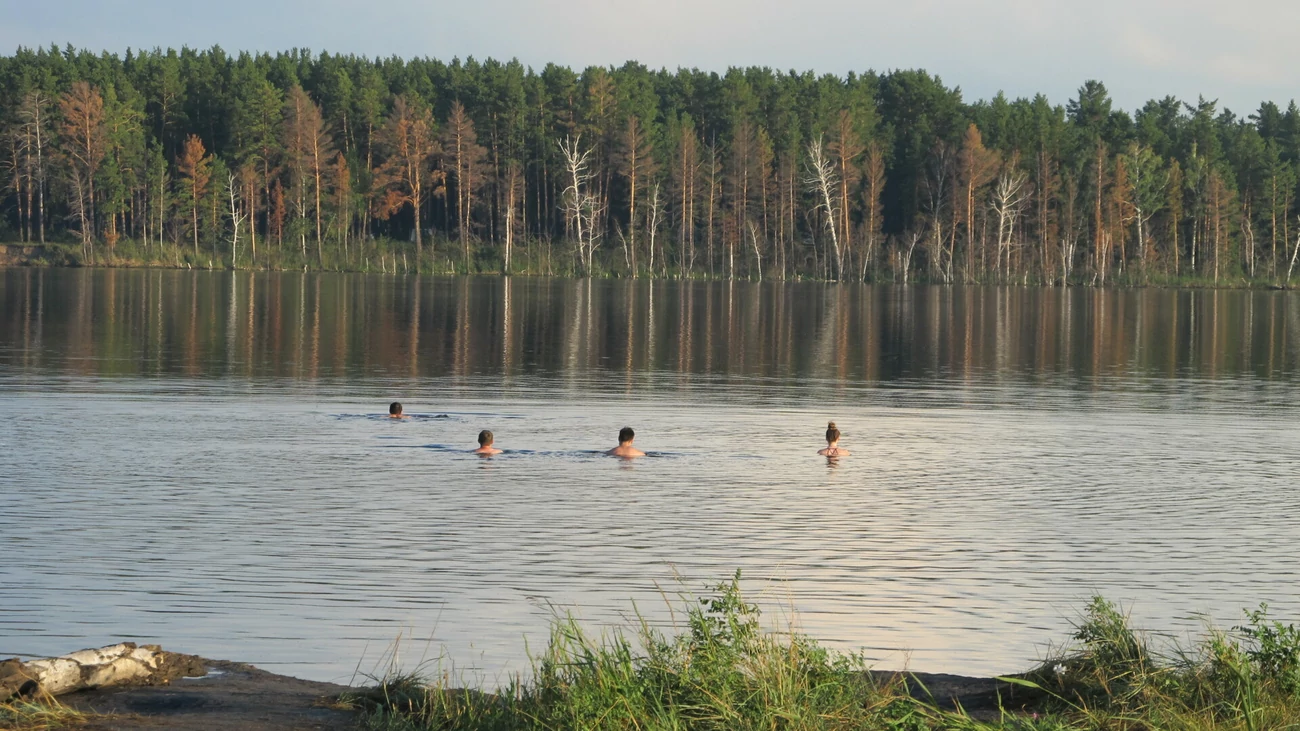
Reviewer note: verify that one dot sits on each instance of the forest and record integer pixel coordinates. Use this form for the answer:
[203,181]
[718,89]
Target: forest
[299,160]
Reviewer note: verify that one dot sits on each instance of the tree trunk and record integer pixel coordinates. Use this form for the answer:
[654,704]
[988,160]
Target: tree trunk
[116,665]
[195,211]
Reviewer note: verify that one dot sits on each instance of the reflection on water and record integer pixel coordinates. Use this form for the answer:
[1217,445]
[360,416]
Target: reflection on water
[201,459]
[308,326]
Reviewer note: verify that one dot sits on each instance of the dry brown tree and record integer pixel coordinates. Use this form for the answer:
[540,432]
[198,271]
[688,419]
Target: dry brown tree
[307,149]
[407,173]
[82,132]
[636,164]
[468,162]
[195,168]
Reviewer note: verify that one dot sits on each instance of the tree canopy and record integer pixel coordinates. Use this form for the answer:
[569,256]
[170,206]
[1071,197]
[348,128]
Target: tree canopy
[300,159]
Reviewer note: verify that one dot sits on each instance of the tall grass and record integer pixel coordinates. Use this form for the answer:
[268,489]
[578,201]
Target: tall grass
[723,670]
[1113,678]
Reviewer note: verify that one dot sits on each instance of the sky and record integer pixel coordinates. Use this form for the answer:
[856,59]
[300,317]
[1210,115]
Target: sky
[1239,53]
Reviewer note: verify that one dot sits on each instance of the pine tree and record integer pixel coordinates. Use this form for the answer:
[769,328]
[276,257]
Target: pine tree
[407,173]
[466,171]
[82,134]
[195,169]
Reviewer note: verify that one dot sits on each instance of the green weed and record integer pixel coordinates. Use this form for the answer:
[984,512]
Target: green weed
[723,669]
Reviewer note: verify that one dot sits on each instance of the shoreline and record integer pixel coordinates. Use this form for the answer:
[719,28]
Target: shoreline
[54,256]
[232,695]
[724,671]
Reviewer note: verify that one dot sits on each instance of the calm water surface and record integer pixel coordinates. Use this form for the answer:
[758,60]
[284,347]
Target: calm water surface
[200,460]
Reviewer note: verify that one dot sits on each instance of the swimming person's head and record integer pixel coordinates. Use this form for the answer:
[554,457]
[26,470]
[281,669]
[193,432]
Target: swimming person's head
[485,438]
[626,435]
[832,433]
[394,409]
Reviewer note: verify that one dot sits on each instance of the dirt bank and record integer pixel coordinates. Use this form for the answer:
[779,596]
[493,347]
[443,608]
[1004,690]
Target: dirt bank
[232,696]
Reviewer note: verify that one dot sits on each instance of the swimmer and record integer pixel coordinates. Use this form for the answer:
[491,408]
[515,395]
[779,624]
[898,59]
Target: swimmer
[624,448]
[395,411]
[485,448]
[833,443]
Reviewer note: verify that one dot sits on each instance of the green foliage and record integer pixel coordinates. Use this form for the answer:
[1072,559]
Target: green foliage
[1272,648]
[1110,645]
[1231,216]
[726,670]
[1113,679]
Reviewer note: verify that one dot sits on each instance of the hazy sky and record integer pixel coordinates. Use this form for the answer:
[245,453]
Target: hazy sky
[1238,52]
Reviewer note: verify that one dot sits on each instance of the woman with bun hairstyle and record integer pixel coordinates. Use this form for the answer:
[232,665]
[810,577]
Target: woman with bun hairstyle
[833,443]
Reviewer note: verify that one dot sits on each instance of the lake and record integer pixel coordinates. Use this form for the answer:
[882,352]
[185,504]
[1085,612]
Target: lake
[201,460]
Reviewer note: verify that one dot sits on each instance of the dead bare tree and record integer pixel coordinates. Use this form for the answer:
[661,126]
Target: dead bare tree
[1071,226]
[580,204]
[514,181]
[822,182]
[939,185]
[907,257]
[655,220]
[1294,253]
[758,252]
[237,216]
[873,191]
[34,120]
[1010,197]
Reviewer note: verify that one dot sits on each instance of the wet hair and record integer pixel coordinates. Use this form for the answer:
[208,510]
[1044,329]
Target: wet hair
[484,438]
[832,433]
[394,409]
[626,435]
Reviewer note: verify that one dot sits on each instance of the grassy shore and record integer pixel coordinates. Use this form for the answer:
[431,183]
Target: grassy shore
[444,258]
[724,670]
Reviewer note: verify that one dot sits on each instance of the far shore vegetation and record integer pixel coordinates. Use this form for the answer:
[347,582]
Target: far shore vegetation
[724,670]
[390,257]
[298,160]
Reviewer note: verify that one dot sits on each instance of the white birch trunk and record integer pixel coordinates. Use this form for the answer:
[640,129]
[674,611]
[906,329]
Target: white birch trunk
[105,667]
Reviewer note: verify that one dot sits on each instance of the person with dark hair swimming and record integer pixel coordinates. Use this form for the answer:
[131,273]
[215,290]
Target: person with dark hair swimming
[833,443]
[395,411]
[485,448]
[625,448]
